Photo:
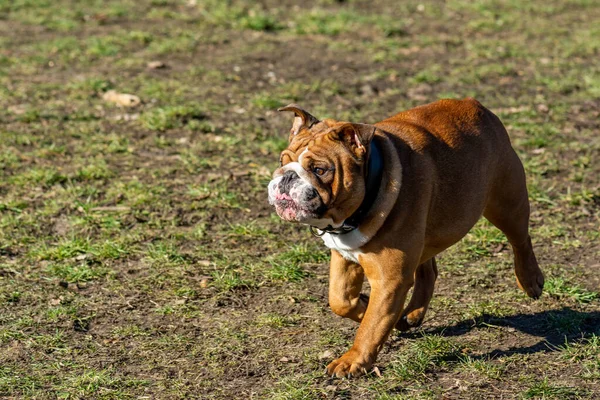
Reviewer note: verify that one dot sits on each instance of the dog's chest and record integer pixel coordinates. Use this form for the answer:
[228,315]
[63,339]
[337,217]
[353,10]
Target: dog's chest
[348,245]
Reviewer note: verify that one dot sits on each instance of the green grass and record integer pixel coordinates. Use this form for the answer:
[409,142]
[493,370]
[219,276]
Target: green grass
[275,320]
[267,102]
[483,238]
[287,266]
[162,119]
[545,390]
[227,281]
[561,289]
[586,354]
[295,389]
[76,273]
[485,368]
[423,356]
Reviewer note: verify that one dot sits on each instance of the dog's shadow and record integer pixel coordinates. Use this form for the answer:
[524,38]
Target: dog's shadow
[555,328]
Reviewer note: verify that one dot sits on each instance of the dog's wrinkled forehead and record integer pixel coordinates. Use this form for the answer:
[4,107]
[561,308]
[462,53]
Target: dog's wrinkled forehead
[314,140]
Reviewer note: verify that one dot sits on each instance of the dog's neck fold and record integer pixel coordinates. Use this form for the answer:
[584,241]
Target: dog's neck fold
[373,176]
[384,178]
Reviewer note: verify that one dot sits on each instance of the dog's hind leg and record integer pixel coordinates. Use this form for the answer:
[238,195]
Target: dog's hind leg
[508,209]
[413,314]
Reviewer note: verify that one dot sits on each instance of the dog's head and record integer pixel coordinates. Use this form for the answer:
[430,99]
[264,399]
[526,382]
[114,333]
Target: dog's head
[321,177]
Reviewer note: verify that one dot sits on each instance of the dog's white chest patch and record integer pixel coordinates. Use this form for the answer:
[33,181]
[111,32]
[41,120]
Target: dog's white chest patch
[348,244]
[350,255]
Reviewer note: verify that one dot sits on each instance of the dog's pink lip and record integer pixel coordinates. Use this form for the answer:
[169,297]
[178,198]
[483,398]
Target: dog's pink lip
[282,196]
[286,209]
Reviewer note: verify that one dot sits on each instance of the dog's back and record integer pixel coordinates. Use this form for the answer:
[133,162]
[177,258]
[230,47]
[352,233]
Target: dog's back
[459,152]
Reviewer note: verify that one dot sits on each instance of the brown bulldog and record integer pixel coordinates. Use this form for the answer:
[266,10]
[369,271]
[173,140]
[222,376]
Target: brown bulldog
[386,198]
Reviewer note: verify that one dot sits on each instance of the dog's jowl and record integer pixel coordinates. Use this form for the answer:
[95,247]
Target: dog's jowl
[386,198]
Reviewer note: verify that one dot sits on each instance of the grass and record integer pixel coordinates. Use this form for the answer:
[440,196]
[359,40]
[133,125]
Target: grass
[140,258]
[76,273]
[561,289]
[545,390]
[481,367]
[275,321]
[287,266]
[424,356]
[586,354]
[162,119]
[295,389]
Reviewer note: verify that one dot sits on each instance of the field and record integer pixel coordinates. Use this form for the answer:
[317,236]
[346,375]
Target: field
[139,258]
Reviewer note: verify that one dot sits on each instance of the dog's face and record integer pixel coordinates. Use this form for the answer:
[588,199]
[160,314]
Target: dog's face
[320,180]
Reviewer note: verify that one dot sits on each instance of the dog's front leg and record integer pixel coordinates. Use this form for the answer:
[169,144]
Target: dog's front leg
[345,283]
[391,276]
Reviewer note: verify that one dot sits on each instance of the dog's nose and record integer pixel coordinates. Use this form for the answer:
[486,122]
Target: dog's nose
[286,181]
[311,194]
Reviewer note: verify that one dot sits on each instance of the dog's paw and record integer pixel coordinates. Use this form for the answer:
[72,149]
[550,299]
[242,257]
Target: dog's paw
[410,320]
[351,364]
[532,284]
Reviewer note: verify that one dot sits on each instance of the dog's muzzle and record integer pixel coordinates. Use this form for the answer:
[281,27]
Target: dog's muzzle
[294,198]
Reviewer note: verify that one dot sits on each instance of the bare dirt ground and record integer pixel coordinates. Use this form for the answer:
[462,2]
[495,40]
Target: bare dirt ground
[139,257]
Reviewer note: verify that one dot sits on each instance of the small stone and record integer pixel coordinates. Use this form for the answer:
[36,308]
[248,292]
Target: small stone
[284,359]
[55,302]
[327,354]
[18,109]
[237,174]
[156,65]
[121,99]
[367,90]
[61,226]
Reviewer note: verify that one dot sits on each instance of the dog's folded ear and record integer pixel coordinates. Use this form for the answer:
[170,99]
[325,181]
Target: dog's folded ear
[356,137]
[303,118]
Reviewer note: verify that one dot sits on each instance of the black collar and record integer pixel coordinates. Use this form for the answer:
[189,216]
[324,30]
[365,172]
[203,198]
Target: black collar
[373,181]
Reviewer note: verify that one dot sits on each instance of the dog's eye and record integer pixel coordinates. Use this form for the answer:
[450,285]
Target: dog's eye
[318,171]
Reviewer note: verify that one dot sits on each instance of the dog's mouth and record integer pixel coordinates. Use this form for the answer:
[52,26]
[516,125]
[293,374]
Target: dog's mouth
[286,207]
[297,202]
[289,210]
